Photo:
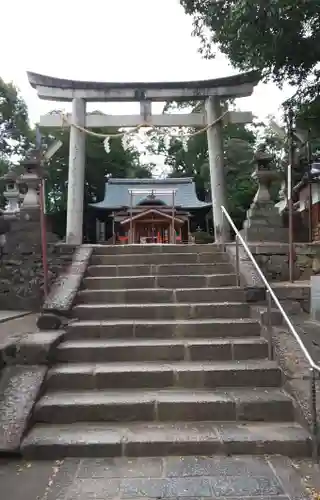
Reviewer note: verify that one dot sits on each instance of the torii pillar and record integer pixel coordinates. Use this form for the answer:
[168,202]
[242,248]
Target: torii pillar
[217,174]
[210,91]
[76,173]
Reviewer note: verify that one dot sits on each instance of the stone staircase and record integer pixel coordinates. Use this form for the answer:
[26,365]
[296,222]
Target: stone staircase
[163,358]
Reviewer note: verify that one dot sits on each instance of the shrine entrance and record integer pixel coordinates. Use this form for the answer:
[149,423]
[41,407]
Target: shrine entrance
[210,120]
[153,228]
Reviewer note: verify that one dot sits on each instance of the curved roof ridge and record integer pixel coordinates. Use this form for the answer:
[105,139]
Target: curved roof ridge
[117,193]
[36,79]
[167,180]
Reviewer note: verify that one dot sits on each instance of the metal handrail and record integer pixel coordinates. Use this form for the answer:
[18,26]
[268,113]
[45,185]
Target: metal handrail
[314,368]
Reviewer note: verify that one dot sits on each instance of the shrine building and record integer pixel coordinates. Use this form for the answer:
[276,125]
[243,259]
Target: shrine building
[140,211]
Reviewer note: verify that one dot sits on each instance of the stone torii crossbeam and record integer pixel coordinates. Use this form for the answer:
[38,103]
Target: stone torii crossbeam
[80,92]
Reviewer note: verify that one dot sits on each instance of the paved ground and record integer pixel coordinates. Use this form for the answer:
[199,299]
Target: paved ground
[13,324]
[7,315]
[252,478]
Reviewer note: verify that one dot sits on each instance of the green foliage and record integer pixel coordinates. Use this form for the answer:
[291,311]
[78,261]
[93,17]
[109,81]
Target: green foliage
[202,237]
[279,38]
[99,165]
[15,133]
[239,144]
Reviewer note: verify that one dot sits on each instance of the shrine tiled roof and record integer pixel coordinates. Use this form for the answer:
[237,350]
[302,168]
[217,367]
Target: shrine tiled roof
[117,193]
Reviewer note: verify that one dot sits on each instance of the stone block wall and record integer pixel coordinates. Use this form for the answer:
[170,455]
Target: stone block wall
[274,260]
[21,271]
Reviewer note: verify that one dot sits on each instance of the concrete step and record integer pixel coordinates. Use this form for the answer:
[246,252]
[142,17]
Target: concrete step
[162,311]
[154,249]
[161,295]
[172,281]
[159,375]
[162,439]
[209,328]
[160,270]
[99,351]
[159,258]
[271,405]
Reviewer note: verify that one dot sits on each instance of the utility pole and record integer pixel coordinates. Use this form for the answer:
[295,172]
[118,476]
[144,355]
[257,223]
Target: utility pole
[289,188]
[309,159]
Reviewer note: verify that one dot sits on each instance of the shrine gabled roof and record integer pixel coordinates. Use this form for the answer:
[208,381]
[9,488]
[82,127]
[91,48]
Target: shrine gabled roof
[151,211]
[117,193]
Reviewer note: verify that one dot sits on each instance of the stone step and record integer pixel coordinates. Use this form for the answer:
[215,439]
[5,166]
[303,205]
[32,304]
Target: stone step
[161,295]
[99,351]
[162,311]
[172,281]
[163,439]
[160,270]
[271,405]
[210,328]
[159,375]
[159,258]
[155,249]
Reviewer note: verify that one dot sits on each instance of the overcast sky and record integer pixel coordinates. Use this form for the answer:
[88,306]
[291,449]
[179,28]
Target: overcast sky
[109,40]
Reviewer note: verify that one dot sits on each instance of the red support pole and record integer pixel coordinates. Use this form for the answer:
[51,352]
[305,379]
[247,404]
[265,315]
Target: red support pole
[43,240]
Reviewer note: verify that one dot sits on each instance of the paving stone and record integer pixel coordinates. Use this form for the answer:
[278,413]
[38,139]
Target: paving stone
[121,468]
[63,477]
[98,489]
[162,311]
[185,478]
[63,293]
[240,486]
[159,258]
[166,488]
[19,388]
[139,249]
[74,440]
[263,405]
[177,438]
[159,270]
[21,480]
[126,329]
[287,438]
[216,466]
[139,488]
[37,348]
[289,478]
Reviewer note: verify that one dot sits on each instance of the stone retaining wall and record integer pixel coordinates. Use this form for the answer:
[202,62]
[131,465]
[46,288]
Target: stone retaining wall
[273,260]
[21,270]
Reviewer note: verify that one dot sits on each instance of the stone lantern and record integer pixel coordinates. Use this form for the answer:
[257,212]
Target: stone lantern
[11,193]
[30,180]
[264,223]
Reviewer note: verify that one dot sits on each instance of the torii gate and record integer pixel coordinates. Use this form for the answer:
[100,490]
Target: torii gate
[79,92]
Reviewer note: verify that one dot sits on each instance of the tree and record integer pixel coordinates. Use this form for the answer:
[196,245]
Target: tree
[99,165]
[15,133]
[239,144]
[279,38]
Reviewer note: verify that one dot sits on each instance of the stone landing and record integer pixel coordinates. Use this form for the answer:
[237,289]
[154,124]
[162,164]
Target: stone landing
[219,477]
